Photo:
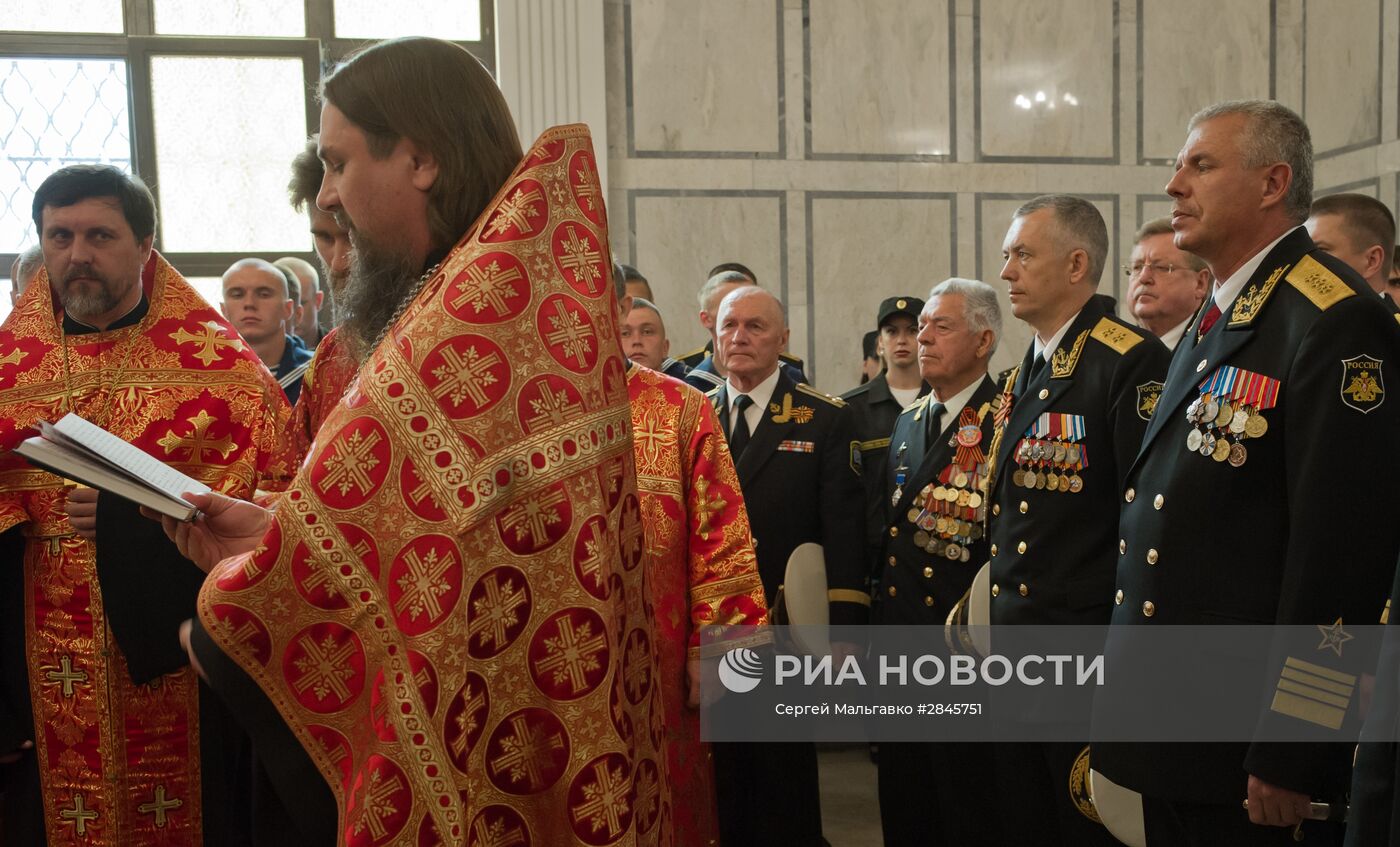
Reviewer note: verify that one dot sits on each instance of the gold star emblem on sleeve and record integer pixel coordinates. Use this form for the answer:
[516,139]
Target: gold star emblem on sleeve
[1333,636]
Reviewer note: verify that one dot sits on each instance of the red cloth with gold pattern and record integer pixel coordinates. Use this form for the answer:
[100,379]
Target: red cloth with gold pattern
[327,377]
[119,762]
[701,564]
[449,608]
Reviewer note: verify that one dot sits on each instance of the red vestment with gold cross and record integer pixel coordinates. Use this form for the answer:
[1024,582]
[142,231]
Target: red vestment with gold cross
[450,608]
[327,377]
[701,564]
[119,762]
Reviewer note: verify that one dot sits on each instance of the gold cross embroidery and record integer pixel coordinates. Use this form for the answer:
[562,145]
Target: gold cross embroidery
[160,805]
[198,441]
[707,507]
[209,343]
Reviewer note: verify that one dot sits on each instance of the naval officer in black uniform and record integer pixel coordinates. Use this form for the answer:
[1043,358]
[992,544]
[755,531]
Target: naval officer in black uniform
[1074,414]
[931,503]
[1275,403]
[876,404]
[794,452]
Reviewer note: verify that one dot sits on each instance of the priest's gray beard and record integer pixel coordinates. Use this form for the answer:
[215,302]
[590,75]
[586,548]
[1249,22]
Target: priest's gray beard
[381,282]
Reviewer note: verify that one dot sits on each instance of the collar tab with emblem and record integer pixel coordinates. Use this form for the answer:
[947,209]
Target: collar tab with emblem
[1251,301]
[788,412]
[1062,363]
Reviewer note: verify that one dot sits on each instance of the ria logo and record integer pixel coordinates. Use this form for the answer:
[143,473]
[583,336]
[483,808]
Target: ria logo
[740,670]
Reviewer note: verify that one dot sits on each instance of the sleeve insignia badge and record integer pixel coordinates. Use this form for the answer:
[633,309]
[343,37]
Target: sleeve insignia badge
[1147,395]
[1333,637]
[1363,387]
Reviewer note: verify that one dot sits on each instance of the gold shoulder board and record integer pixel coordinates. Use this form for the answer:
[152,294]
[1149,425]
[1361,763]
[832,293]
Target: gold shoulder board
[1115,336]
[807,389]
[1324,288]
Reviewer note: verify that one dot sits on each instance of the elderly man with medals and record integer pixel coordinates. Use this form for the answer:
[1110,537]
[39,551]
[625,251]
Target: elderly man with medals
[448,606]
[106,735]
[700,566]
[934,519]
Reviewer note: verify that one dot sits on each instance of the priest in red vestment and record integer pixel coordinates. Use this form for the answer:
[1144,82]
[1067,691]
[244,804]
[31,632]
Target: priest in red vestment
[448,607]
[702,569]
[105,735]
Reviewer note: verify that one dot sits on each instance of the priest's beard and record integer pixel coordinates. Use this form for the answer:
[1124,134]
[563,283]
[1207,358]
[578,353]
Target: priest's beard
[96,295]
[378,287]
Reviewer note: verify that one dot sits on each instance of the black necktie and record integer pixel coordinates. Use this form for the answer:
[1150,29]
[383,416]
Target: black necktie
[1037,366]
[933,429]
[739,427]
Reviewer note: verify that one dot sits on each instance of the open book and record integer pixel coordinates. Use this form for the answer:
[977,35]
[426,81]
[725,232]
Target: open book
[80,450]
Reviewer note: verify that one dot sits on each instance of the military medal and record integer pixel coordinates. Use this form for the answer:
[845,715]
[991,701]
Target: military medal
[1228,411]
[1256,426]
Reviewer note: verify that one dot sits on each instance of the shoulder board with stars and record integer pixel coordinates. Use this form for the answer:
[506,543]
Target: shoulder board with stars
[809,390]
[1324,288]
[1115,336]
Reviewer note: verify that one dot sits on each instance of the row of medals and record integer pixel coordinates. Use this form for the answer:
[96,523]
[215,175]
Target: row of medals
[947,535]
[1216,421]
[1063,459]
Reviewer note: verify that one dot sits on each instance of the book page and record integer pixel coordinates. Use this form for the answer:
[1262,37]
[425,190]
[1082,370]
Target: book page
[125,456]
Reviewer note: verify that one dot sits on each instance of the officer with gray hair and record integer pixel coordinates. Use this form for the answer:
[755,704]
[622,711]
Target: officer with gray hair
[933,546]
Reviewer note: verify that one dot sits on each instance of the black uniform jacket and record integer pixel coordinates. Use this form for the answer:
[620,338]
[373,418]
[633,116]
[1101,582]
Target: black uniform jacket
[1053,554]
[874,410]
[1302,533]
[800,485]
[917,586]
[1375,789]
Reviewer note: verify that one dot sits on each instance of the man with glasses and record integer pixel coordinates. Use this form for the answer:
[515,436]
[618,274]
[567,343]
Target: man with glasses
[1166,285]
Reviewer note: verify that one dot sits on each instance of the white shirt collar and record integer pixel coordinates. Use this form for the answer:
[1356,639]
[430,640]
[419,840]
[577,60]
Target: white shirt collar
[953,407]
[760,395]
[1172,337]
[1227,291]
[1053,342]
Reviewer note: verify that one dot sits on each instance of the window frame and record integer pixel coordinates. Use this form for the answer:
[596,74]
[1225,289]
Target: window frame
[319,51]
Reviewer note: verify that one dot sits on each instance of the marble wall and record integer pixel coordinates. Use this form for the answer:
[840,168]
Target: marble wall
[848,150]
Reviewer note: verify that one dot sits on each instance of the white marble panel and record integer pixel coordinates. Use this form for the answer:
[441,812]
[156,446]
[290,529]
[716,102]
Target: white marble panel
[879,77]
[1047,79]
[1195,53]
[1341,82]
[680,238]
[1153,209]
[1370,189]
[705,75]
[865,249]
[996,220]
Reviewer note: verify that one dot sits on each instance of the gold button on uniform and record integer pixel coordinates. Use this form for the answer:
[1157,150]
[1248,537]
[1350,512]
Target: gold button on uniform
[928,572]
[1122,548]
[1021,548]
[1118,598]
[996,589]
[928,601]
[1024,590]
[1152,557]
[1149,609]
[894,532]
[892,561]
[1044,393]
[1130,495]
[1158,501]
[996,508]
[891,590]
[994,549]
[1024,507]
[1200,366]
